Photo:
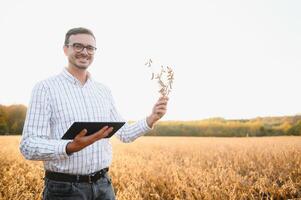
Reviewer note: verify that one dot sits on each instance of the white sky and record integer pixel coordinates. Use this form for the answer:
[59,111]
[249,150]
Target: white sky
[232,59]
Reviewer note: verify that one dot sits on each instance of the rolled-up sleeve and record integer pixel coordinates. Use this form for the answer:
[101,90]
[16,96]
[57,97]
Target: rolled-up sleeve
[36,143]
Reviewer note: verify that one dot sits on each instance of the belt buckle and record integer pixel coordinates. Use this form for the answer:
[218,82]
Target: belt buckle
[90,178]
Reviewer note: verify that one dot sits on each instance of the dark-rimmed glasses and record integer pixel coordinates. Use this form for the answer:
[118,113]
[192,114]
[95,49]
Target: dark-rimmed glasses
[78,47]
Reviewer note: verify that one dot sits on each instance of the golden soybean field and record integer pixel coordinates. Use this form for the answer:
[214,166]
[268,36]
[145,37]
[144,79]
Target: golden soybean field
[177,168]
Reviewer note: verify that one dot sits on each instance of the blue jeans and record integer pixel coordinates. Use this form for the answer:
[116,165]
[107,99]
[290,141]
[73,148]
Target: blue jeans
[102,189]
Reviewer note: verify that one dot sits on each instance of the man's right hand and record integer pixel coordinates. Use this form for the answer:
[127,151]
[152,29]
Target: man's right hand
[81,141]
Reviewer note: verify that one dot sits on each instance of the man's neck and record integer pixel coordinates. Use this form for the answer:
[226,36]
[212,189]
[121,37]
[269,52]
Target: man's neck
[79,74]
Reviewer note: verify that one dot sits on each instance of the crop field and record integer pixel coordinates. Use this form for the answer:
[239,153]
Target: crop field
[177,168]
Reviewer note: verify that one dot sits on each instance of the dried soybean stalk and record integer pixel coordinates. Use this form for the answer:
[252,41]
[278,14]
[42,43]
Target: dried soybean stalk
[164,78]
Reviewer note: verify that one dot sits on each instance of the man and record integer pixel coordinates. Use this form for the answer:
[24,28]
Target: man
[78,168]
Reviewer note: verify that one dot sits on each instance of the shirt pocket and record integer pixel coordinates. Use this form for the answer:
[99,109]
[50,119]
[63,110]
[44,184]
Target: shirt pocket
[100,111]
[65,113]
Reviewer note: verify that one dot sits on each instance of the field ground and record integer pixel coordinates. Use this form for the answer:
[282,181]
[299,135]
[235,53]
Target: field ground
[178,168]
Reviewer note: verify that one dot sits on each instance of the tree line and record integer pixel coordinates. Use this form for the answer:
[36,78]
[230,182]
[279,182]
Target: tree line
[12,121]
[219,127]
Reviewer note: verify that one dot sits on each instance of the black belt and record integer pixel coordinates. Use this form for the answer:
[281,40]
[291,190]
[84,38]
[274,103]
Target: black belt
[56,176]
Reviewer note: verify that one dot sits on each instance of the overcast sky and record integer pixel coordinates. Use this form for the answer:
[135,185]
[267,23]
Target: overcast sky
[231,59]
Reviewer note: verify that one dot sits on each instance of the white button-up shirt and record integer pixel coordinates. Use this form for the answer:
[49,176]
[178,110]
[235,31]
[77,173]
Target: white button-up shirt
[55,104]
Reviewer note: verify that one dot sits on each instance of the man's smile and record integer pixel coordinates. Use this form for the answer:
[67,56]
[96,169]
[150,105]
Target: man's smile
[82,59]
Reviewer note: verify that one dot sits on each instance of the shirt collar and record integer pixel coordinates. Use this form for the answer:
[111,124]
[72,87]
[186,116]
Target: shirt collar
[74,80]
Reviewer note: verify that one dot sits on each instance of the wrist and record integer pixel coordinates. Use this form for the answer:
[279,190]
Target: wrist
[69,148]
[150,121]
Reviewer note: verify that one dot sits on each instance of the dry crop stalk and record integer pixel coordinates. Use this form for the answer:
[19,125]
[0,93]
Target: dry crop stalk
[164,78]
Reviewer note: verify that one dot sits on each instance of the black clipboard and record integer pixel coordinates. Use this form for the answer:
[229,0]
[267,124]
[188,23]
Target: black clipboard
[91,127]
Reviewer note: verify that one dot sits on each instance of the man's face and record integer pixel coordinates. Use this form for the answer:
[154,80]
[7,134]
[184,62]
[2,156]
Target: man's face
[80,50]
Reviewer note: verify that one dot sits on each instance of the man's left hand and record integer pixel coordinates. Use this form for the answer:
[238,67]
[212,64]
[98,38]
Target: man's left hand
[158,111]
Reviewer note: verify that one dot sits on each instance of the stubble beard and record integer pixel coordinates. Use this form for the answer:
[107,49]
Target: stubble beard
[78,66]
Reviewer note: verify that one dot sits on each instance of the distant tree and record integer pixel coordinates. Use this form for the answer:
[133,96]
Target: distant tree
[3,123]
[295,129]
[285,126]
[3,126]
[15,118]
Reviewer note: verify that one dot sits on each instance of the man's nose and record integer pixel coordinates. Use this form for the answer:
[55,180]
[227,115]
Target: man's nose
[84,51]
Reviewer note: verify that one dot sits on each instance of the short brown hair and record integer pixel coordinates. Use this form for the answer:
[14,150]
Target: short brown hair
[75,31]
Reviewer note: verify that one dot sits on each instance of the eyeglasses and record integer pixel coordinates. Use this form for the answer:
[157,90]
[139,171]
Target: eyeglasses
[78,47]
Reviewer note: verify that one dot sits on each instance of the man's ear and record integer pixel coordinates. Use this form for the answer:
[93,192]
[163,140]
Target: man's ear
[65,48]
